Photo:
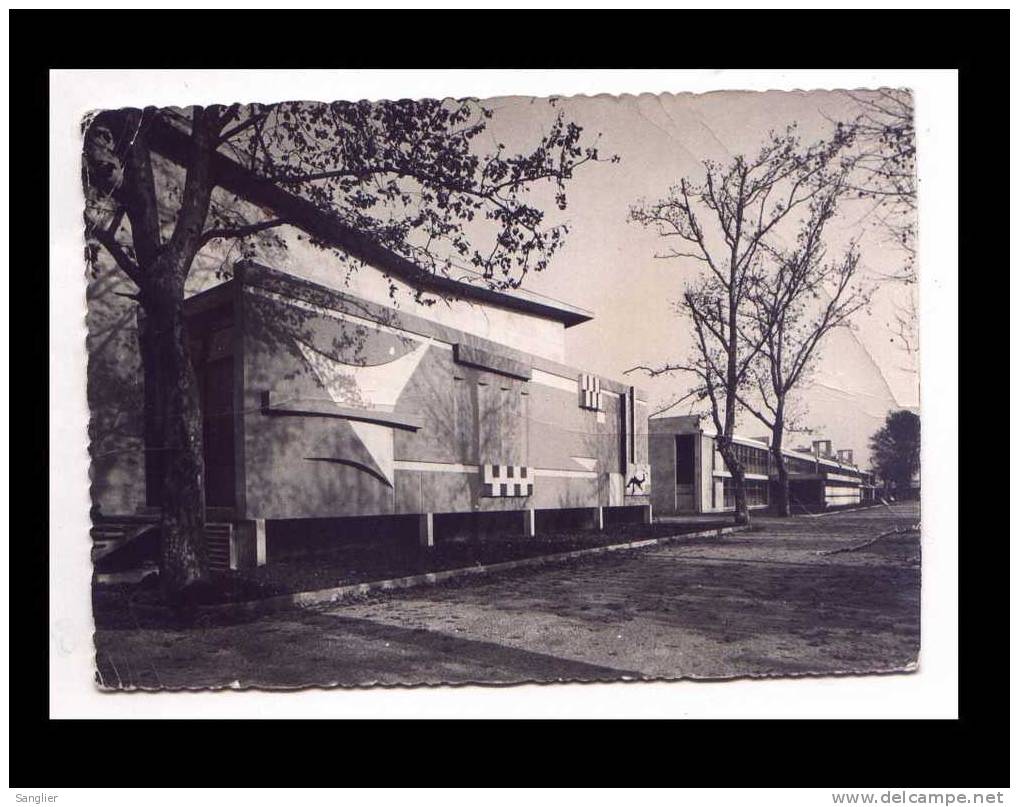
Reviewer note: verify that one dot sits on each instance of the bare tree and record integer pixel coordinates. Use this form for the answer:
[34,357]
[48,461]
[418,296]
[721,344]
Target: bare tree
[727,225]
[884,163]
[884,133]
[802,298]
[403,177]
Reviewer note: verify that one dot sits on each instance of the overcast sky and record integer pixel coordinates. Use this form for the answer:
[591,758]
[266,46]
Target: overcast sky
[608,264]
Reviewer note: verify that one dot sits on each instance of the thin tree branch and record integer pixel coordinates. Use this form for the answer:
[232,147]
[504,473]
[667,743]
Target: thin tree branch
[240,231]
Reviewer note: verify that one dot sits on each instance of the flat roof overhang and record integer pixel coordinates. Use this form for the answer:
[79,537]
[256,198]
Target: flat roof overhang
[174,144]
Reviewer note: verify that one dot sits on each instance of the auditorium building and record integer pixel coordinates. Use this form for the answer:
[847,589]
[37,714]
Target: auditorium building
[329,414]
[348,392]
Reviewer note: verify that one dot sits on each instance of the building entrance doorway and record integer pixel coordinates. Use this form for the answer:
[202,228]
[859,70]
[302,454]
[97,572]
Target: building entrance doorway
[686,464]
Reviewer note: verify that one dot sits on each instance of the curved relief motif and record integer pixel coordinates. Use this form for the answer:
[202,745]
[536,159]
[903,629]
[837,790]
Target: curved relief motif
[375,387]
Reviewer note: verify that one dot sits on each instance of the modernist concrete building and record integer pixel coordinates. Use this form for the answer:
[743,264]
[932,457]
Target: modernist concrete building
[323,409]
[333,406]
[689,475]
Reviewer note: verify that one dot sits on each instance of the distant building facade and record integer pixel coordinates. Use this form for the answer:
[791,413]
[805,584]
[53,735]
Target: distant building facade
[689,474]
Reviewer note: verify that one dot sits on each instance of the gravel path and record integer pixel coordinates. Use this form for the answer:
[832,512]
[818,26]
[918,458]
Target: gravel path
[764,602]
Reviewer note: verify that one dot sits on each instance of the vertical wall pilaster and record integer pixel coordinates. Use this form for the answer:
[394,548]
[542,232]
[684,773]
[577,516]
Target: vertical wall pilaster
[426,530]
[529,522]
[248,547]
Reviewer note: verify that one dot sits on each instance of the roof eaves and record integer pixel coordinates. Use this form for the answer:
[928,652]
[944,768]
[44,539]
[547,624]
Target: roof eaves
[174,144]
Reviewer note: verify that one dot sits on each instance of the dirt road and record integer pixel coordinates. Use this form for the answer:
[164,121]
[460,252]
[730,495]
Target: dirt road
[763,602]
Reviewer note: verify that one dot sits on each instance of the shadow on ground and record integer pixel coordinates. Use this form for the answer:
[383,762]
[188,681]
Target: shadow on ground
[761,603]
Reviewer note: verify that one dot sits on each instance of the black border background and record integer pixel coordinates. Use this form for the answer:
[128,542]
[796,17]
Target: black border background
[972,750]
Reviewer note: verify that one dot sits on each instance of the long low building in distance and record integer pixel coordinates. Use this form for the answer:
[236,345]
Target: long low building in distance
[689,475]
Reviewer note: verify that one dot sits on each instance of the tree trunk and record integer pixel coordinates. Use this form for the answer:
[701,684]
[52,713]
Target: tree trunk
[739,492]
[183,562]
[160,267]
[781,504]
[152,409]
[741,513]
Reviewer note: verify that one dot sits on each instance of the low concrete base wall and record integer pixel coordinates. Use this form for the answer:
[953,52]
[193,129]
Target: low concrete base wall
[339,593]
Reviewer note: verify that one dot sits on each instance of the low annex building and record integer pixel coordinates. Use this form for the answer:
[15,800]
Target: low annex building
[689,474]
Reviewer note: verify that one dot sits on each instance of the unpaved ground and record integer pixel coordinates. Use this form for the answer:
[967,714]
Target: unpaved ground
[757,603]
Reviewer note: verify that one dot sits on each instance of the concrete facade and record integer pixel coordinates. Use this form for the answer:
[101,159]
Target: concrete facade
[321,405]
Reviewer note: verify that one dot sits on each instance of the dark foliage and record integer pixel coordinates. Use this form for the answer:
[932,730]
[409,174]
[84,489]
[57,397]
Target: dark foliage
[895,448]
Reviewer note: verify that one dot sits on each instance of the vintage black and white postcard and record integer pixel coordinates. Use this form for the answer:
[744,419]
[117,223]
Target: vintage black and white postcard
[503,390]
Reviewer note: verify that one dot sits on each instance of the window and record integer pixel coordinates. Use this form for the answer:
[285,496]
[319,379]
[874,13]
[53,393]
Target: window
[754,460]
[799,465]
[757,492]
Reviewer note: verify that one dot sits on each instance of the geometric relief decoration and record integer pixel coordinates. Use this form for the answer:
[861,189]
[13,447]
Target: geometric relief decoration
[638,479]
[377,439]
[376,387]
[590,391]
[507,480]
[370,453]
